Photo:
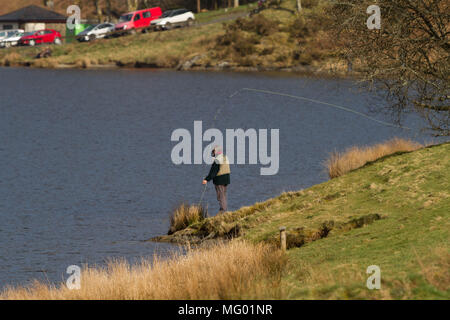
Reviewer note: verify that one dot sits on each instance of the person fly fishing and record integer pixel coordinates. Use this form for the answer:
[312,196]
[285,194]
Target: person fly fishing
[220,175]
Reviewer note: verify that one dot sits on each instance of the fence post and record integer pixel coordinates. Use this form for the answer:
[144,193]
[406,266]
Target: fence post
[283,238]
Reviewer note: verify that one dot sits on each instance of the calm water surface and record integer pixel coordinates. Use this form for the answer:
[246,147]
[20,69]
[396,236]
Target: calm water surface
[85,166]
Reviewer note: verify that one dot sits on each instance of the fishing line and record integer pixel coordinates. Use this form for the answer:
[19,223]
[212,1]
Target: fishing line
[321,102]
[333,105]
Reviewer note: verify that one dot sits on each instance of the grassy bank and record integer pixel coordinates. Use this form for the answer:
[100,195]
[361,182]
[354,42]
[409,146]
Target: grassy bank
[276,39]
[392,212]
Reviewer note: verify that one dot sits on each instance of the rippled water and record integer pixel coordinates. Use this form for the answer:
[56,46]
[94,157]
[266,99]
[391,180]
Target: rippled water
[86,172]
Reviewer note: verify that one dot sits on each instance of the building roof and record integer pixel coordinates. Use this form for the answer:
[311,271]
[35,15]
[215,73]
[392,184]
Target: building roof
[33,14]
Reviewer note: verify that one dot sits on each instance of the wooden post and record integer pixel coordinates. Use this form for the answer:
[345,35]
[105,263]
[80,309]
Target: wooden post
[283,238]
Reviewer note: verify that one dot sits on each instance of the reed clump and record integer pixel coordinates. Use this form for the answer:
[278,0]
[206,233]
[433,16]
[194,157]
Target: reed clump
[339,163]
[10,59]
[184,215]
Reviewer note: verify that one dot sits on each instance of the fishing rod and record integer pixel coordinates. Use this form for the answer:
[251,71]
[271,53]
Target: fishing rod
[212,125]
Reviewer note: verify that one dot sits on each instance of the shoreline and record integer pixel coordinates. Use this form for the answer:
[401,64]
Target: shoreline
[264,43]
[233,224]
[302,71]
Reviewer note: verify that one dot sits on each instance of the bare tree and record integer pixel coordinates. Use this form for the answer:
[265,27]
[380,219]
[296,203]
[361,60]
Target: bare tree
[407,58]
[98,10]
[299,5]
[132,5]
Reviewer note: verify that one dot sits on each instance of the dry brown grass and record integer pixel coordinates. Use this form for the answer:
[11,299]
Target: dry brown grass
[83,63]
[45,63]
[10,59]
[185,215]
[224,271]
[353,158]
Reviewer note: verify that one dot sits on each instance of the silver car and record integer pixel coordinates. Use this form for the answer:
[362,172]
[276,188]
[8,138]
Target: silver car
[10,38]
[94,32]
[174,18]
[7,34]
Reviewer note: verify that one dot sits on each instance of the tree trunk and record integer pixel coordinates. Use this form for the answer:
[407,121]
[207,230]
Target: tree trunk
[198,6]
[108,9]
[132,5]
[299,5]
[98,10]
[236,3]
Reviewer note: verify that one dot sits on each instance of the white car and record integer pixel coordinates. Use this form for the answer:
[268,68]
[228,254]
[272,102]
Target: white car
[174,18]
[95,32]
[10,38]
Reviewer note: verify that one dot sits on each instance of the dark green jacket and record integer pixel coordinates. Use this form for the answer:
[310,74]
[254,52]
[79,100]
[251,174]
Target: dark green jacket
[217,180]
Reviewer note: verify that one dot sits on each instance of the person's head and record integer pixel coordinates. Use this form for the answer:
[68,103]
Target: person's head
[216,151]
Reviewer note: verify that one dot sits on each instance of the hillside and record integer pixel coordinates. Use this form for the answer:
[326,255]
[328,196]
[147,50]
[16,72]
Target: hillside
[110,8]
[393,213]
[275,39]
[60,6]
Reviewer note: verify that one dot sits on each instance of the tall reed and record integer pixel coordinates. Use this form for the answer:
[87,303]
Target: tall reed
[184,215]
[230,270]
[340,163]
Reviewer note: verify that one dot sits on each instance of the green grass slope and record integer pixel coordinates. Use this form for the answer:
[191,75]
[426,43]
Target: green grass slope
[393,213]
[411,245]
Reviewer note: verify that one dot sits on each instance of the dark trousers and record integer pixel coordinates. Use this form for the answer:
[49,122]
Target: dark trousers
[221,191]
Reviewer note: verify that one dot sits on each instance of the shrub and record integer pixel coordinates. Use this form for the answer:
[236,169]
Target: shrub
[299,28]
[309,3]
[262,26]
[244,47]
[308,25]
[259,25]
[185,215]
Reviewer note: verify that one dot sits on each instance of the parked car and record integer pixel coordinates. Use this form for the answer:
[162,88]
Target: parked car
[12,38]
[38,37]
[138,19]
[174,18]
[97,31]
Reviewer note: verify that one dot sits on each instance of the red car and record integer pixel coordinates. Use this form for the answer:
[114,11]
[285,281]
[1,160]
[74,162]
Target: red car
[42,36]
[138,19]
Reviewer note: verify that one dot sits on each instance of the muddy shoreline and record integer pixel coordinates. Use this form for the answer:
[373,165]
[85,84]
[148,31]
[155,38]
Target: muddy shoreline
[296,70]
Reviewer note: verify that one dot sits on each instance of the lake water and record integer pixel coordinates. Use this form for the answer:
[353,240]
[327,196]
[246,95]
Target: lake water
[85,156]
